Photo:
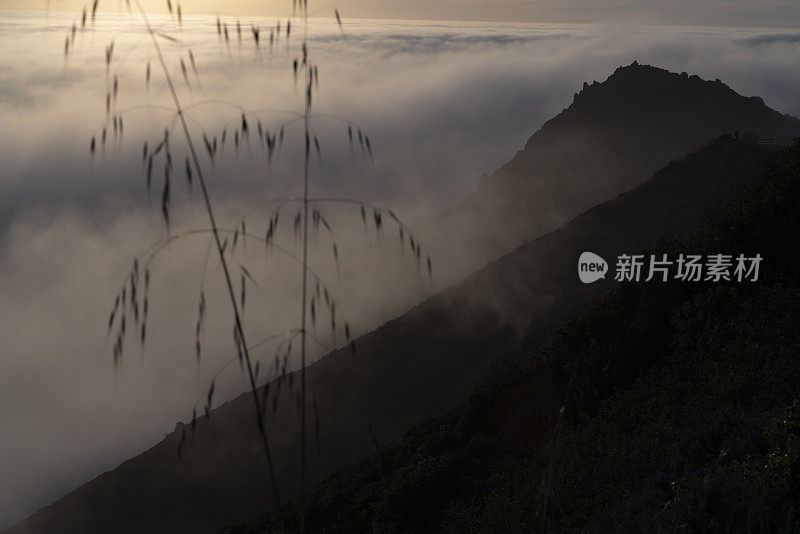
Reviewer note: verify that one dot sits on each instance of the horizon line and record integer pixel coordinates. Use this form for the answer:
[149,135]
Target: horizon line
[444,21]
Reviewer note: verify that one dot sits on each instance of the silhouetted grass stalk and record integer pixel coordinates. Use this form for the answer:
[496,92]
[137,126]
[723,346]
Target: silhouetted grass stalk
[220,250]
[273,142]
[304,299]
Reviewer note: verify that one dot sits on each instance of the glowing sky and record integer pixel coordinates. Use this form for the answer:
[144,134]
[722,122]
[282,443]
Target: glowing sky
[774,13]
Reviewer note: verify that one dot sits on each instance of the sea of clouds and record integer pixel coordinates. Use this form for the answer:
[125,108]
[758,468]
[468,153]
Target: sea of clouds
[443,104]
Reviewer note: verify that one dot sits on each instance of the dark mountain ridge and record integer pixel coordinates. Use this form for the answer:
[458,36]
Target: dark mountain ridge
[613,136]
[414,367]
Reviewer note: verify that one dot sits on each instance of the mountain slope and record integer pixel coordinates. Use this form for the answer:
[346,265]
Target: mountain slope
[681,412]
[414,367]
[424,362]
[613,136]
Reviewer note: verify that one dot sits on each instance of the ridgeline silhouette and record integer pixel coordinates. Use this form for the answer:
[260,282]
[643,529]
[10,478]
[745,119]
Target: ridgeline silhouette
[613,136]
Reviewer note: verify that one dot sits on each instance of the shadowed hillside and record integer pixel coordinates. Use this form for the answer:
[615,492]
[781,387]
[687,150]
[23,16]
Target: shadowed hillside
[613,136]
[681,411]
[414,367]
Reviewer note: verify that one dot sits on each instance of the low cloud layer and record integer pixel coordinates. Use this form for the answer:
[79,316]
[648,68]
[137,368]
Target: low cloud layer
[772,13]
[442,104]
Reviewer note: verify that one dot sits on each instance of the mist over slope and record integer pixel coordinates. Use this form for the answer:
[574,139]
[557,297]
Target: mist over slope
[660,407]
[414,367]
[612,137]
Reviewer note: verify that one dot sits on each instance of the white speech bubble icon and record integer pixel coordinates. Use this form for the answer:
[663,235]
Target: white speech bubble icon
[591,267]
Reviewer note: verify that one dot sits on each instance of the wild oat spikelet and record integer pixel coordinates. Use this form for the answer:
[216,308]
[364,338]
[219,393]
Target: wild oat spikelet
[109,53]
[185,73]
[149,172]
[191,60]
[210,393]
[165,198]
[244,290]
[189,173]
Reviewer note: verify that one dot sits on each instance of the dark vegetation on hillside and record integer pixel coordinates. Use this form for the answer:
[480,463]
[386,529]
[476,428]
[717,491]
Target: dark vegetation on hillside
[613,136]
[418,366]
[681,411]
